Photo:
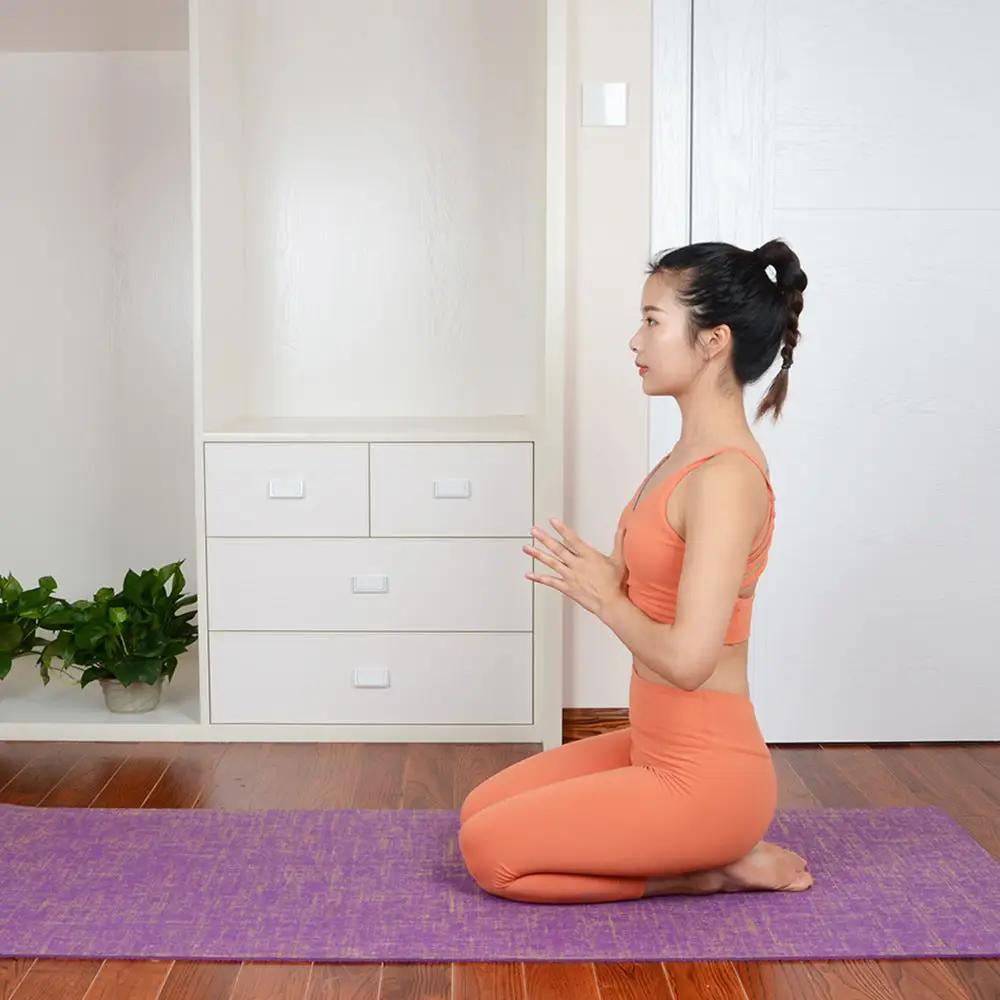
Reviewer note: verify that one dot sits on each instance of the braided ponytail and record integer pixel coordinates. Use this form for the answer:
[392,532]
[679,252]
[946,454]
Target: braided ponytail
[791,282]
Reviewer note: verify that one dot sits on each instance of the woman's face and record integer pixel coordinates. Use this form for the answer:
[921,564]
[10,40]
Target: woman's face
[661,342]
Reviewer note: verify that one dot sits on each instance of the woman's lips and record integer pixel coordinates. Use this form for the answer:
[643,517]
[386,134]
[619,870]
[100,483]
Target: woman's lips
[643,369]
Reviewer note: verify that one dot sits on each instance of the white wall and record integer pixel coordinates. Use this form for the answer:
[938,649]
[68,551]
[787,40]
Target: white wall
[608,212]
[95,264]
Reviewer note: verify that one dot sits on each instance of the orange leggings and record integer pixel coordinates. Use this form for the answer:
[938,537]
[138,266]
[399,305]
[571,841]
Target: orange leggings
[688,785]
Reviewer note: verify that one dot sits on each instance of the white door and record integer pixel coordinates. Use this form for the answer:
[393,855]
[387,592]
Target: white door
[868,137]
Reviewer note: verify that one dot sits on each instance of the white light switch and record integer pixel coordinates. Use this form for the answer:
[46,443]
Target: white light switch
[605,104]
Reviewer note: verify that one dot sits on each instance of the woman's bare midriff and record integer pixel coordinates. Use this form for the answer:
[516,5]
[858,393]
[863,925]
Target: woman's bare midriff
[730,673]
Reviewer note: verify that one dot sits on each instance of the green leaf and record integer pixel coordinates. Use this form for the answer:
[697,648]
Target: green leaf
[57,616]
[10,636]
[90,634]
[137,668]
[178,584]
[133,588]
[92,674]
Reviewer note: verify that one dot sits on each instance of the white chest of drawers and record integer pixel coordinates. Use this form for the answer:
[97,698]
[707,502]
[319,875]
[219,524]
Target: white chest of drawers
[375,583]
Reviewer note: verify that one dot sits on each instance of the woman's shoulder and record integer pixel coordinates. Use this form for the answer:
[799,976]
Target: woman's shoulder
[730,455]
[732,471]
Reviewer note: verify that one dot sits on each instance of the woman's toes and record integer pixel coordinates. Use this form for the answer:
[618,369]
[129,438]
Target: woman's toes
[801,880]
[767,866]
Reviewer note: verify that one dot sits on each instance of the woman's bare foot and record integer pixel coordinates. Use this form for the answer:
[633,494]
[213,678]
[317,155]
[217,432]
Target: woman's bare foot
[765,867]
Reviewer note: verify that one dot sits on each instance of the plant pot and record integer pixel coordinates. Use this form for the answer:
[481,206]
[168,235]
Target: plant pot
[137,697]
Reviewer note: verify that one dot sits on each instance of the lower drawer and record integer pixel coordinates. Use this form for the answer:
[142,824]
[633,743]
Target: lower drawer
[324,677]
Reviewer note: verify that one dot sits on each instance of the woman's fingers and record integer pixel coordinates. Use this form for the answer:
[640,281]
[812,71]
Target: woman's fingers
[575,541]
[549,542]
[556,582]
[549,561]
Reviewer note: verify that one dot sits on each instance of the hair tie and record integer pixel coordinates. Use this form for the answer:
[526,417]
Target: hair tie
[769,269]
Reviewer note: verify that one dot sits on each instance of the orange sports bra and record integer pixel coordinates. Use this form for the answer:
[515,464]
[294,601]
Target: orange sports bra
[654,552]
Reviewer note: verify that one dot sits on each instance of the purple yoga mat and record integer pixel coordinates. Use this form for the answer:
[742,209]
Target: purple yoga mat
[358,885]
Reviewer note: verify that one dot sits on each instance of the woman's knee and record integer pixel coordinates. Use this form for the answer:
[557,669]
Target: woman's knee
[479,845]
[467,809]
[477,799]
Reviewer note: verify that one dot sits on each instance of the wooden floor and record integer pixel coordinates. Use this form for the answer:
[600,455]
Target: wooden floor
[964,780]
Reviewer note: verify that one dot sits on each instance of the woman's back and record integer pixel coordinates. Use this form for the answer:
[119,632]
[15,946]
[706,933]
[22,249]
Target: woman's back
[654,553]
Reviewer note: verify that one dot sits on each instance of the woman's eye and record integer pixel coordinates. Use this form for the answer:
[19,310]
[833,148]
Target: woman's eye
[649,319]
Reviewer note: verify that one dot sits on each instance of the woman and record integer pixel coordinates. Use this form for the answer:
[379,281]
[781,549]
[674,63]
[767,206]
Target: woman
[678,801]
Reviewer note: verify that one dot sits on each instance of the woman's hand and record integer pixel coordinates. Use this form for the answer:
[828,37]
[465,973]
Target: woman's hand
[589,577]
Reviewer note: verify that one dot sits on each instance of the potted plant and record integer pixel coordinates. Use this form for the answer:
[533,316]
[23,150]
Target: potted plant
[129,640]
[19,613]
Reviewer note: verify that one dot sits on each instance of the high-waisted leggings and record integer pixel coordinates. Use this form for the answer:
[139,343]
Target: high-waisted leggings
[688,785]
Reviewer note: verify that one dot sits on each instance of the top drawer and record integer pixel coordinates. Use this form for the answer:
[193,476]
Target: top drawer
[454,488]
[286,488]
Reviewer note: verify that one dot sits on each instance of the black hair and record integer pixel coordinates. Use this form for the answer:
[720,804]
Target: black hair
[721,283]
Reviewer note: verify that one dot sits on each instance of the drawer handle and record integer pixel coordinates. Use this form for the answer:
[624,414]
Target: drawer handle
[370,583]
[371,677]
[280,489]
[452,488]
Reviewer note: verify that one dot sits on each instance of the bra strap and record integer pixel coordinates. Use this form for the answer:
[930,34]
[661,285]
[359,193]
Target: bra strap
[742,451]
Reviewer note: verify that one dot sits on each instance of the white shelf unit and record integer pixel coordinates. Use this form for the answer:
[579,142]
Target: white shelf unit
[378,284]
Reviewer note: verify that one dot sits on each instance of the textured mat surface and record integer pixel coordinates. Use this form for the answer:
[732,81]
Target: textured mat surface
[390,885]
